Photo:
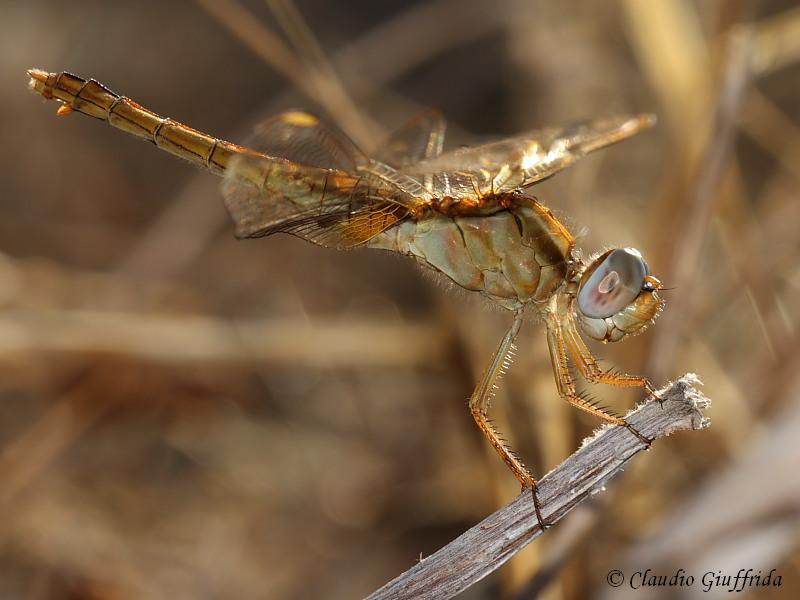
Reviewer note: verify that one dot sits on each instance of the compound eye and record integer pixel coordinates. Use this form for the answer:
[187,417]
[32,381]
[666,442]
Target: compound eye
[612,283]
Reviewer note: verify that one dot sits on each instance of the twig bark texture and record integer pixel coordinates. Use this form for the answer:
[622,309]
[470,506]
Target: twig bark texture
[490,543]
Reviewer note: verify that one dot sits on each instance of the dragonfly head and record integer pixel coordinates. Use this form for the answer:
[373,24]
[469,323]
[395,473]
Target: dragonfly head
[617,296]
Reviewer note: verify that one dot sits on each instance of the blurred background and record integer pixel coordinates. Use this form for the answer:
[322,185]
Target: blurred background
[184,415]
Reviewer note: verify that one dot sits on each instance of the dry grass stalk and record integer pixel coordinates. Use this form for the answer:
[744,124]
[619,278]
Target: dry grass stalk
[497,538]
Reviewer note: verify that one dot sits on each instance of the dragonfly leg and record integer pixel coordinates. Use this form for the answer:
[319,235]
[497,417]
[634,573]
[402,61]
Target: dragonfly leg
[479,407]
[591,370]
[566,386]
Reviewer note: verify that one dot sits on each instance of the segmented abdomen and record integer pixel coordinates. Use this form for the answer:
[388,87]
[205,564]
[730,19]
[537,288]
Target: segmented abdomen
[92,98]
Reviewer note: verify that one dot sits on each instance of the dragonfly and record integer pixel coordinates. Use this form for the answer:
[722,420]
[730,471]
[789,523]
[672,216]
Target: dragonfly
[465,213]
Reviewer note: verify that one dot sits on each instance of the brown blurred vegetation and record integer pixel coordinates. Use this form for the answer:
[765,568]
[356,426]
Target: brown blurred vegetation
[184,415]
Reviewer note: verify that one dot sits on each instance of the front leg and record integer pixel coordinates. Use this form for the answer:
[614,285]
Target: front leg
[588,367]
[566,385]
[479,407]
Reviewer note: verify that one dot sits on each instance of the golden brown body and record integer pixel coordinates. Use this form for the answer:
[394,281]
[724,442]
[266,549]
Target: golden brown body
[463,213]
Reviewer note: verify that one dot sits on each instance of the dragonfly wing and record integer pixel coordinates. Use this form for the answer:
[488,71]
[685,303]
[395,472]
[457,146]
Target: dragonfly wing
[523,160]
[265,195]
[382,175]
[419,139]
[303,138]
[347,229]
[309,179]
[456,184]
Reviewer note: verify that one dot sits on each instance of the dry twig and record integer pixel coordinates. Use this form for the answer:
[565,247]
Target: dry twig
[490,543]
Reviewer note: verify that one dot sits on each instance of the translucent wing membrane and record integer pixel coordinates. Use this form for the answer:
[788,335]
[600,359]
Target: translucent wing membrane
[419,139]
[309,179]
[302,138]
[328,207]
[523,160]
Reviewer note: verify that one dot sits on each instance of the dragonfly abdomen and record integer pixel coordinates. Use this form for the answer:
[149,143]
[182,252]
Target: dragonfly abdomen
[94,99]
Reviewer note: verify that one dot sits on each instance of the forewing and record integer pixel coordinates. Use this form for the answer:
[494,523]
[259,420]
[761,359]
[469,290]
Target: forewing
[523,160]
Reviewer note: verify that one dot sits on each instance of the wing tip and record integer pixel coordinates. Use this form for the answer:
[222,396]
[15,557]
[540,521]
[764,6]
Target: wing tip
[628,126]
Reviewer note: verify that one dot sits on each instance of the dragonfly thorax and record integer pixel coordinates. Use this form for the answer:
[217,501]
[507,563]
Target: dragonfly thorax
[478,205]
[517,255]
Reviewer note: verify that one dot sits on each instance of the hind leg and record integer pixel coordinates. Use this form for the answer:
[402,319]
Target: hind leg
[479,407]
